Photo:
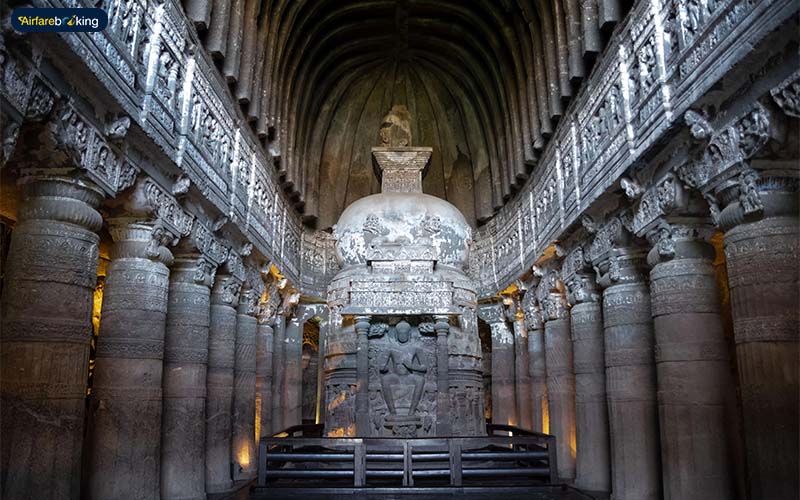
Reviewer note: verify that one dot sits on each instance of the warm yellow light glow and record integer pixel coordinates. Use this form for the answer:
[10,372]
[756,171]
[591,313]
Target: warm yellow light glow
[244,457]
[258,417]
[545,417]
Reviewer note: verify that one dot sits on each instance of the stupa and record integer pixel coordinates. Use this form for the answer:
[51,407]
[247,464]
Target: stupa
[403,357]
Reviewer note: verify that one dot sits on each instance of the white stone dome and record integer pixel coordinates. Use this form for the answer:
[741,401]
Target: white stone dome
[408,222]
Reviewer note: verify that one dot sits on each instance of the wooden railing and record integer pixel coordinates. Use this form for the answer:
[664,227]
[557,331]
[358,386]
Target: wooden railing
[520,458]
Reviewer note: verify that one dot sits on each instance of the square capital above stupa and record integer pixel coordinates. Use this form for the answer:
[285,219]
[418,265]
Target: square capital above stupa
[401,167]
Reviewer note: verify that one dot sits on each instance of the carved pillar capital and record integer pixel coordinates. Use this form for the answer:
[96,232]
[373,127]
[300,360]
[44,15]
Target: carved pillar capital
[58,139]
[579,277]
[720,169]
[61,198]
[441,324]
[491,313]
[226,290]
[787,95]
[615,253]
[362,324]
[682,239]
[248,301]
[532,311]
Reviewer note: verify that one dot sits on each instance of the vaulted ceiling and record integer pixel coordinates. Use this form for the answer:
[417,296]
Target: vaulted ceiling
[485,82]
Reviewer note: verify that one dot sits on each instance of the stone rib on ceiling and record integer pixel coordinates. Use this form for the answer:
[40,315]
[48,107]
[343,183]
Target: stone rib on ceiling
[485,82]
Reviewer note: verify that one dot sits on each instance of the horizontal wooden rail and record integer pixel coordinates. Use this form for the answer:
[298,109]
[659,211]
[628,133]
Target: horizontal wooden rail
[521,454]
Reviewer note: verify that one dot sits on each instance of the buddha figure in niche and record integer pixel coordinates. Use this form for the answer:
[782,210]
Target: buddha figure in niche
[402,367]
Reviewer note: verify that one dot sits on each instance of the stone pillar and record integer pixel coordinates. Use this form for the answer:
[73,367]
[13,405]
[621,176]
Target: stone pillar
[293,373]
[504,401]
[44,342]
[762,245]
[560,376]
[264,348]
[219,382]
[362,375]
[126,395]
[278,373]
[183,430]
[443,420]
[243,419]
[694,379]
[593,461]
[522,369]
[323,340]
[540,411]
[630,371]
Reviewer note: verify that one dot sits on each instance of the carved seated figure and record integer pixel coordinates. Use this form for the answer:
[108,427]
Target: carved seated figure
[402,367]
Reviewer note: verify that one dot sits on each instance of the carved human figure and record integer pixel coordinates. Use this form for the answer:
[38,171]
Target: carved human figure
[402,366]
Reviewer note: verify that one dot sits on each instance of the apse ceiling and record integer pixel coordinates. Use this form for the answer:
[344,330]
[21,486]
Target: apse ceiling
[485,83]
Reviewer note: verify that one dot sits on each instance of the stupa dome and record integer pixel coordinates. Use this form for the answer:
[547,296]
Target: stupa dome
[410,225]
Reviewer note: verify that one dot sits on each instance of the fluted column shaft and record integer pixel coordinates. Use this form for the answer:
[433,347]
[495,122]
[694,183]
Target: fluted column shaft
[561,393]
[540,412]
[264,336]
[522,371]
[44,343]
[219,383]
[183,431]
[631,381]
[126,396]
[694,380]
[278,373]
[293,368]
[243,446]
[593,466]
[762,260]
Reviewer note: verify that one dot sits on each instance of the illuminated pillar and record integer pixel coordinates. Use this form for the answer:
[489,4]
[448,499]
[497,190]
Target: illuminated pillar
[264,348]
[44,342]
[219,382]
[593,462]
[243,419]
[694,376]
[522,369]
[126,394]
[630,376]
[560,382]
[504,400]
[540,412]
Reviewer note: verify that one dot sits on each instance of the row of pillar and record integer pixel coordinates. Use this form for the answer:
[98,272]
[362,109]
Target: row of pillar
[635,377]
[172,411]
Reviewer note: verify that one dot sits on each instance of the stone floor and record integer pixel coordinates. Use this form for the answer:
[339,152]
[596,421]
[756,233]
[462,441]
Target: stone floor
[540,493]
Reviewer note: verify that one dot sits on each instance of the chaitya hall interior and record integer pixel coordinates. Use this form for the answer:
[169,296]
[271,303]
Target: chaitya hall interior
[257,249]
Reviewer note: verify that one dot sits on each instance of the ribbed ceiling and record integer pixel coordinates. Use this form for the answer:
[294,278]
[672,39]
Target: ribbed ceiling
[485,82]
